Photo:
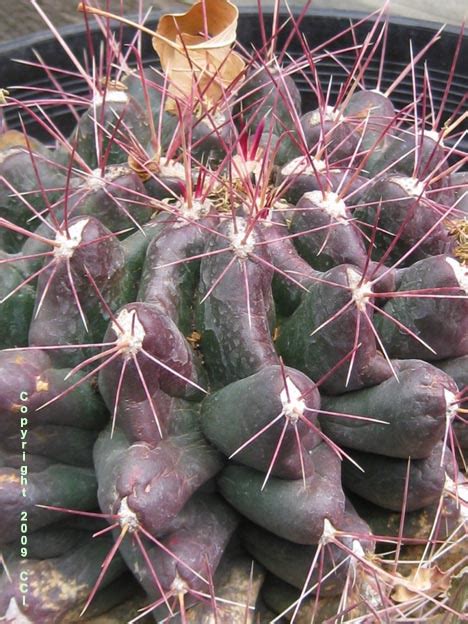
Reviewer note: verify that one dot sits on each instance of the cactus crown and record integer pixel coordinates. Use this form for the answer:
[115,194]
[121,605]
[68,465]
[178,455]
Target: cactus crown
[238,325]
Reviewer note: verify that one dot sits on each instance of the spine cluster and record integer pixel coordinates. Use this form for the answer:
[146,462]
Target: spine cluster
[234,332]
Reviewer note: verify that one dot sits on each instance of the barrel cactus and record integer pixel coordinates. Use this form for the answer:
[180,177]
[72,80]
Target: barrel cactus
[234,333]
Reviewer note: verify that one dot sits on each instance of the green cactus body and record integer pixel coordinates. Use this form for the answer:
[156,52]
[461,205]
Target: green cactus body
[109,113]
[265,91]
[291,562]
[372,114]
[65,312]
[30,183]
[116,197]
[408,218]
[48,542]
[440,322]
[415,407]
[210,136]
[293,275]
[223,323]
[243,409]
[320,498]
[62,444]
[57,485]
[306,174]
[136,244]
[233,320]
[383,481]
[170,278]
[16,310]
[146,90]
[315,354]
[414,155]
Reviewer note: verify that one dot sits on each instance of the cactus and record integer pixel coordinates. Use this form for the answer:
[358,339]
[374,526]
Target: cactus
[233,326]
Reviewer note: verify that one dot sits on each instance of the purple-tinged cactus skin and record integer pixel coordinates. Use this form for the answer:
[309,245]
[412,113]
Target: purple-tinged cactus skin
[330,127]
[166,182]
[190,549]
[139,476]
[372,112]
[416,156]
[86,256]
[116,197]
[168,279]
[329,236]
[52,484]
[291,562]
[31,374]
[384,478]
[293,275]
[175,416]
[210,136]
[408,217]
[335,307]
[233,319]
[148,342]
[244,409]
[234,322]
[305,175]
[414,407]
[320,498]
[439,321]
[57,585]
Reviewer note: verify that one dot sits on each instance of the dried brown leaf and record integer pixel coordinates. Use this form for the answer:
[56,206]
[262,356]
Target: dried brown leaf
[195,50]
[430,580]
[15,138]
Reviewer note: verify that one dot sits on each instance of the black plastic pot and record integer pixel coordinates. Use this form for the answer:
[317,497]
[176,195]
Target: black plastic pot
[317,27]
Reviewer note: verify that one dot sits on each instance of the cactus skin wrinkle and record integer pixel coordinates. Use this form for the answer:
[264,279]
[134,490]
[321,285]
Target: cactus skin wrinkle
[233,331]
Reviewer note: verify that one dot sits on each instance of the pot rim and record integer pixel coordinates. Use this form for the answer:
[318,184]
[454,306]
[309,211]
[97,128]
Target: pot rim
[12,46]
